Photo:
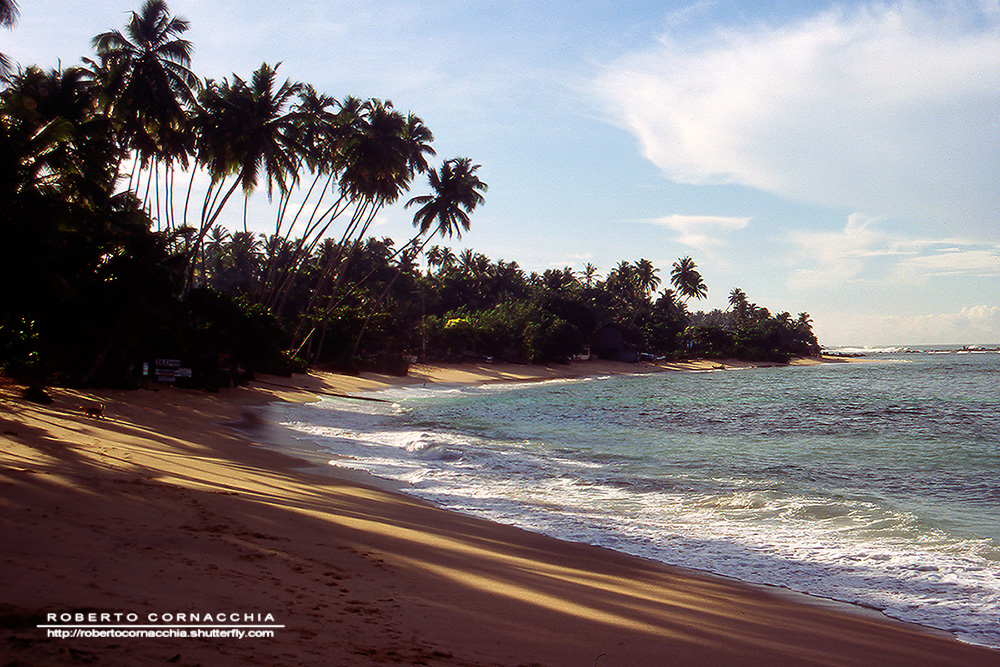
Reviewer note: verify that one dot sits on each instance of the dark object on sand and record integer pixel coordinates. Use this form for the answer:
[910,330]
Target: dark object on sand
[36,394]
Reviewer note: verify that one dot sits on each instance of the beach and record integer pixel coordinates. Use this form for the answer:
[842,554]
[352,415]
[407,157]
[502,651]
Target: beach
[180,504]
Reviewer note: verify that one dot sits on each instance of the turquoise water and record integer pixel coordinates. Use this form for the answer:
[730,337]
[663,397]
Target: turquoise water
[873,483]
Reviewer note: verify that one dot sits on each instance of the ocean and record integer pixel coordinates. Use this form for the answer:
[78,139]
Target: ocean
[875,483]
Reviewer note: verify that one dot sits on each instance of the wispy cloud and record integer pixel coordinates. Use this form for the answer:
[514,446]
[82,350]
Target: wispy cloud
[701,231]
[972,325]
[889,109]
[831,258]
[689,13]
[852,254]
[983,263]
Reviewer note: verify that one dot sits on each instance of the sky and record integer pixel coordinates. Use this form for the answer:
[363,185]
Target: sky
[840,159]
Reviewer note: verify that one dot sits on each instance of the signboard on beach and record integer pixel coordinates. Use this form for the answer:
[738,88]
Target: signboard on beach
[168,370]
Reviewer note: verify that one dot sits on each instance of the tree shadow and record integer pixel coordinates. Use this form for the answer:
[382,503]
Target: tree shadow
[191,515]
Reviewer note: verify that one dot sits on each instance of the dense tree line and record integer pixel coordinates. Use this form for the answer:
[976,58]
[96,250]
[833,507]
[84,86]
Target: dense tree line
[390,306]
[119,258]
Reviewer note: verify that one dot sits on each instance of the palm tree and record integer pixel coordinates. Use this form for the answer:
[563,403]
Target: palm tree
[448,259]
[668,303]
[418,139]
[467,261]
[508,278]
[147,81]
[623,285]
[246,128]
[559,280]
[589,274]
[213,253]
[244,257]
[435,257]
[646,277]
[8,13]
[8,17]
[34,177]
[686,279]
[321,134]
[378,156]
[739,303]
[254,132]
[379,151]
[737,299]
[457,192]
[82,159]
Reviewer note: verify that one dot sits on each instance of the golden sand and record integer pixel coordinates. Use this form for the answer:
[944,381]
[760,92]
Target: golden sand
[163,508]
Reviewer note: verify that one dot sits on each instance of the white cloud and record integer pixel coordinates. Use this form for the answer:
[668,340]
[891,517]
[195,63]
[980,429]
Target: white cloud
[983,263]
[969,326]
[889,109]
[834,258]
[688,13]
[701,231]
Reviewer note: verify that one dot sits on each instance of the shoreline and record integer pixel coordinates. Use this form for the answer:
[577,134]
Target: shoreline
[289,441]
[164,507]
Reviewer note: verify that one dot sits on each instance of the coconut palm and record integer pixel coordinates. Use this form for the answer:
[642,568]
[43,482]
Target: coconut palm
[8,13]
[146,79]
[467,261]
[739,303]
[254,131]
[448,259]
[441,257]
[322,128]
[589,274]
[737,299]
[457,192]
[418,139]
[687,280]
[244,259]
[378,152]
[246,130]
[377,156]
[646,278]
[622,284]
[313,122]
[81,158]
[213,254]
[8,17]
[668,303]
[559,280]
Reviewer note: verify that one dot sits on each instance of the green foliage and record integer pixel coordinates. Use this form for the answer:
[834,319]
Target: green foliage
[708,341]
[551,339]
[226,336]
[661,333]
[20,350]
[513,331]
[106,280]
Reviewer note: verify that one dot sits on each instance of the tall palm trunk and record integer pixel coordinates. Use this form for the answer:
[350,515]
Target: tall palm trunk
[209,215]
[385,292]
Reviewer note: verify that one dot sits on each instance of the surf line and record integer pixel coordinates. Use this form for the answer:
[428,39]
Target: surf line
[324,393]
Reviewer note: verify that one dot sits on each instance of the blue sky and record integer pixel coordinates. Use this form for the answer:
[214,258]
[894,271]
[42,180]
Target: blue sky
[836,158]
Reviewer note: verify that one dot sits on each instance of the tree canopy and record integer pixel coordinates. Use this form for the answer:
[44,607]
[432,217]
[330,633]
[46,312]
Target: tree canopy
[119,264]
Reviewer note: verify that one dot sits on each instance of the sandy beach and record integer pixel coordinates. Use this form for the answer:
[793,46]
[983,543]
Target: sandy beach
[180,504]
